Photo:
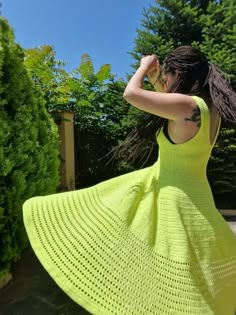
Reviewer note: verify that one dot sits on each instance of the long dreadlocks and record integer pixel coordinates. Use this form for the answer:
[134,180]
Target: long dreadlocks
[195,75]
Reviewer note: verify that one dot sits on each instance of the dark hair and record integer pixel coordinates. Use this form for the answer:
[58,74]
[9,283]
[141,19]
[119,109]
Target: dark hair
[195,76]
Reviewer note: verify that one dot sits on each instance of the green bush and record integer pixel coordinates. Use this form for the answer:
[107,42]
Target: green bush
[28,147]
[222,169]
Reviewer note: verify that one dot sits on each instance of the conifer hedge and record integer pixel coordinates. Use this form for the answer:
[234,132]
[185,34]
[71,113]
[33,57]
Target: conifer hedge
[222,169]
[28,147]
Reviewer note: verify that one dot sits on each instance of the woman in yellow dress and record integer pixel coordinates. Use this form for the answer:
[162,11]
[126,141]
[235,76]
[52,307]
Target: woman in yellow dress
[150,242]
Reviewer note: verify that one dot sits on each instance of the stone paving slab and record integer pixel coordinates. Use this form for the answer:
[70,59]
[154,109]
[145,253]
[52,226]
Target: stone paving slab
[33,305]
[33,292]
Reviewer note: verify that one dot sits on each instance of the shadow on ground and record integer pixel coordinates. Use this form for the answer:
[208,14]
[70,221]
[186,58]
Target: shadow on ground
[33,292]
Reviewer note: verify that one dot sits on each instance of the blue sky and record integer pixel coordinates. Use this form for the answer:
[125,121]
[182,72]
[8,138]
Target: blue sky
[105,29]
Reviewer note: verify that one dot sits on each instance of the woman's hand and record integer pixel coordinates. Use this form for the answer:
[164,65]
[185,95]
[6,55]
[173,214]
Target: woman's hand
[151,64]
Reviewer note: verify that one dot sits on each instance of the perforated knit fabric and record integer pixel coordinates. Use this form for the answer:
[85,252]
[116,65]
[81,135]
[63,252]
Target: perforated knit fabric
[145,243]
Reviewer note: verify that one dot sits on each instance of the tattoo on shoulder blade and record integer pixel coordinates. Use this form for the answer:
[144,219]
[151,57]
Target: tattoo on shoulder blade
[196,116]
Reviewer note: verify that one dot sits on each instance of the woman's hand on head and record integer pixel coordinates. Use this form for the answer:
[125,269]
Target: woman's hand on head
[150,63]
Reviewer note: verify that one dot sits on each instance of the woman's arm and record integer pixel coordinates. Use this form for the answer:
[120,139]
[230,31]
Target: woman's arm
[157,83]
[171,106]
[155,78]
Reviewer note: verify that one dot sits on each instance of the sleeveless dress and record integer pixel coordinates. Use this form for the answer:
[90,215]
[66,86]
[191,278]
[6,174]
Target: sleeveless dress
[145,243]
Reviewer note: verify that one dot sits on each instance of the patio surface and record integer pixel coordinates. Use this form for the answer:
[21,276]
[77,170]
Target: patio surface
[33,292]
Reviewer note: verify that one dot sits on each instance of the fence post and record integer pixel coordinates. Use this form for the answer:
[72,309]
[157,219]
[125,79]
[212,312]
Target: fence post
[65,123]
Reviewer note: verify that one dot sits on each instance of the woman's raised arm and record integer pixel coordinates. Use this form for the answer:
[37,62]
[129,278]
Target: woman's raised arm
[173,106]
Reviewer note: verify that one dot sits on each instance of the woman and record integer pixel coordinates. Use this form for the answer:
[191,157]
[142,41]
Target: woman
[151,241]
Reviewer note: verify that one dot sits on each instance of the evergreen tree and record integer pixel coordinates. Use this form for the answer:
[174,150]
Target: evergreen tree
[28,147]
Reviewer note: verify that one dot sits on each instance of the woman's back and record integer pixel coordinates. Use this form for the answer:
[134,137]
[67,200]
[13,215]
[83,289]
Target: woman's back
[181,131]
[214,122]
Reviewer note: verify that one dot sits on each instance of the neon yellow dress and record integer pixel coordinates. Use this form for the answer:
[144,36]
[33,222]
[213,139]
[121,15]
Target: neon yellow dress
[145,243]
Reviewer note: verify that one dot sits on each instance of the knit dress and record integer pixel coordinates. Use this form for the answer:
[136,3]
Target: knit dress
[145,243]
